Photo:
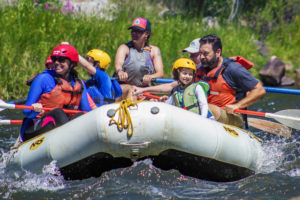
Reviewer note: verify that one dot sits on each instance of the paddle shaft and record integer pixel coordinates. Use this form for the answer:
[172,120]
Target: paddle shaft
[263,114]
[268,89]
[14,106]
[9,122]
[151,96]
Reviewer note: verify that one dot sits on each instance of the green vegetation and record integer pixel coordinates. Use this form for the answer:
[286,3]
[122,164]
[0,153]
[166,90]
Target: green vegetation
[29,32]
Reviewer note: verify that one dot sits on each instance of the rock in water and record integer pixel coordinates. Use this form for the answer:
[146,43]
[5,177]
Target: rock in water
[272,72]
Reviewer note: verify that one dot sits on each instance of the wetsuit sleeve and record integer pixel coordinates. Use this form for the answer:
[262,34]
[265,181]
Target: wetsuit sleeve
[86,102]
[43,83]
[202,100]
[103,82]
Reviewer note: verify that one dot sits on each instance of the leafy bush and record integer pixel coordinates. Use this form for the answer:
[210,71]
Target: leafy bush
[35,29]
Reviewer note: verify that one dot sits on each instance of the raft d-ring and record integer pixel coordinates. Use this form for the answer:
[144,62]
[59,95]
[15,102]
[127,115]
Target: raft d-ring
[111,112]
[154,110]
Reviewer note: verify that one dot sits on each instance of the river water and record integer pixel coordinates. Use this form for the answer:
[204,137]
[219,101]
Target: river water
[277,177]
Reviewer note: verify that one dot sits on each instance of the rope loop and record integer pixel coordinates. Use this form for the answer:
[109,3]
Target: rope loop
[124,120]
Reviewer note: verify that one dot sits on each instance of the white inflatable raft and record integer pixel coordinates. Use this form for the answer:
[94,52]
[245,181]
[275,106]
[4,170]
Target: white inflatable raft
[172,137]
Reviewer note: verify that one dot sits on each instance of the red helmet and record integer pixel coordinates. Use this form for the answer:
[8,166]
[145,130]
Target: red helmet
[48,62]
[65,50]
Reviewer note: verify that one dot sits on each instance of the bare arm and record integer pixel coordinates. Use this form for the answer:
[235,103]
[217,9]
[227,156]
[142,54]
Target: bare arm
[158,65]
[87,66]
[162,88]
[121,54]
[256,93]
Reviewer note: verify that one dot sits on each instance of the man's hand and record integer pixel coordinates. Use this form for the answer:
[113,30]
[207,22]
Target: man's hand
[137,90]
[231,108]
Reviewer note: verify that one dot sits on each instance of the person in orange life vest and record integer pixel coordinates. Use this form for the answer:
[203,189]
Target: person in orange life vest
[193,50]
[137,62]
[189,95]
[59,88]
[229,82]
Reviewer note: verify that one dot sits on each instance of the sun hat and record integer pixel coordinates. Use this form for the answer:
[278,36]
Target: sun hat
[194,46]
[141,24]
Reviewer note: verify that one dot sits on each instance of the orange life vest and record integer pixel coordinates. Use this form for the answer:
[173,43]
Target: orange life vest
[221,94]
[63,95]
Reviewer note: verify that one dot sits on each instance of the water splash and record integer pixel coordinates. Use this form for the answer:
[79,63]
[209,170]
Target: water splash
[15,180]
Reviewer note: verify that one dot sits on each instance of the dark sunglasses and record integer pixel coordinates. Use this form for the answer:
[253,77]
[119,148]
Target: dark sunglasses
[136,31]
[59,58]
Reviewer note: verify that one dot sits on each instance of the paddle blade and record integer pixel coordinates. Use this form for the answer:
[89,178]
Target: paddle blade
[270,127]
[2,102]
[289,117]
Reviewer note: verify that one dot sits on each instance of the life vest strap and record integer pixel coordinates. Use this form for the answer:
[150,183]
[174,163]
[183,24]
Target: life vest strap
[191,106]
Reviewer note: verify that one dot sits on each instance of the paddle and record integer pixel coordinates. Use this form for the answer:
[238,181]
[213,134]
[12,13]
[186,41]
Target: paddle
[19,101]
[14,106]
[270,127]
[268,89]
[145,94]
[290,117]
[10,121]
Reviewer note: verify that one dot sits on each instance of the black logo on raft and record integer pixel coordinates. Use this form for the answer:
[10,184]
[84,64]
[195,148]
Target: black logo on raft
[36,143]
[231,131]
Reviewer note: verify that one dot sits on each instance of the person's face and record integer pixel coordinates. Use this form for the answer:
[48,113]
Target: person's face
[185,75]
[62,65]
[51,66]
[138,35]
[195,57]
[208,57]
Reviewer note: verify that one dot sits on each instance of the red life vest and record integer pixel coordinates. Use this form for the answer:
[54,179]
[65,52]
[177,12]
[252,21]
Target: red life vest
[63,95]
[221,94]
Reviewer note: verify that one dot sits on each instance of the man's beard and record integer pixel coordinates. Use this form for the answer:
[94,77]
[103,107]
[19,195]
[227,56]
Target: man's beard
[210,63]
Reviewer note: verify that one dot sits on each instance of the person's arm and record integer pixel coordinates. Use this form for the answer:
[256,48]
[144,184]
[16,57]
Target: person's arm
[162,88]
[253,95]
[43,83]
[202,100]
[87,66]
[158,65]
[86,102]
[103,82]
[121,54]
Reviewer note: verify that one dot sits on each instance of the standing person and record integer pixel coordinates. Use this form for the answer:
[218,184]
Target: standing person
[137,62]
[101,87]
[188,94]
[231,85]
[193,50]
[59,88]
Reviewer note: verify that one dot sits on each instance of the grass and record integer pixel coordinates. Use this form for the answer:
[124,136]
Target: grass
[29,33]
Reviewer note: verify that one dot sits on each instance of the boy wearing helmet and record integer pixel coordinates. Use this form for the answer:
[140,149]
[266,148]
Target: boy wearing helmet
[58,88]
[189,95]
[101,87]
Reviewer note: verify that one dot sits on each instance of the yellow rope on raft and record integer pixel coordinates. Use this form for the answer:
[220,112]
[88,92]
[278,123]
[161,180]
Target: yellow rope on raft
[124,120]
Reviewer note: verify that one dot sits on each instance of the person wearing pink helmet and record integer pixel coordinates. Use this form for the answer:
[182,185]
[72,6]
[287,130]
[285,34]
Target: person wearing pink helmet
[49,64]
[59,88]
